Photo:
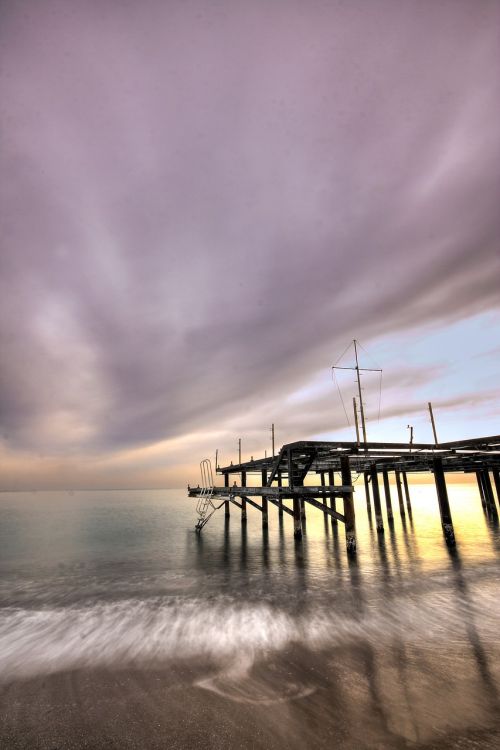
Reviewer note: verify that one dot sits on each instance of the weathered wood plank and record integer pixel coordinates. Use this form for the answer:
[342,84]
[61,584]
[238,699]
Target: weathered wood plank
[285,492]
[325,508]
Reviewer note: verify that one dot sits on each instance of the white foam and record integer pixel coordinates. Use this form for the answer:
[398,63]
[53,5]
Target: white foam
[134,631]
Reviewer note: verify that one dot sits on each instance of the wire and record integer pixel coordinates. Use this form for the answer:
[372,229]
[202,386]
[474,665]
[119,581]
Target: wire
[334,378]
[369,356]
[345,350]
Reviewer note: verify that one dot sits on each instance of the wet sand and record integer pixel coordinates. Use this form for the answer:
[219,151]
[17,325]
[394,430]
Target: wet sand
[350,698]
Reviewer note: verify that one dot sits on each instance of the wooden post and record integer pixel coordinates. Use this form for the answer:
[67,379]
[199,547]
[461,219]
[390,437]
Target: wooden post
[227,512]
[297,520]
[243,499]
[387,492]
[444,505]
[397,475]
[350,526]
[376,499]
[333,499]
[407,493]
[480,488]
[265,504]
[280,501]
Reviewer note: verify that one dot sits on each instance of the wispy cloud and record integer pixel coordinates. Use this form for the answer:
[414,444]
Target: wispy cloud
[200,205]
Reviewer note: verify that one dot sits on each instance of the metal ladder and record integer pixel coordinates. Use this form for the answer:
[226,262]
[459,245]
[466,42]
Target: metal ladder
[205,506]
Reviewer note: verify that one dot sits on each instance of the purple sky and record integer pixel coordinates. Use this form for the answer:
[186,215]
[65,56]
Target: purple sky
[202,203]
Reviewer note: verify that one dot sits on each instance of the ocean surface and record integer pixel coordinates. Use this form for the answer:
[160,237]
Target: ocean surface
[121,627]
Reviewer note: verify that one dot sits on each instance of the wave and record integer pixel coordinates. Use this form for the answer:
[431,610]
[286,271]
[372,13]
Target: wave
[228,632]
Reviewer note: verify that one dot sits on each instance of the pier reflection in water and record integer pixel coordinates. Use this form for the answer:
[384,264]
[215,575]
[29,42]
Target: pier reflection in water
[277,642]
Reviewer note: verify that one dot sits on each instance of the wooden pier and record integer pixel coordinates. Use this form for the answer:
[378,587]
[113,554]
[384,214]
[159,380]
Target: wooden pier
[286,477]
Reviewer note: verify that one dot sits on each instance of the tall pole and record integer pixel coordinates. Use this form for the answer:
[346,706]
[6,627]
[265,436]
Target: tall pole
[410,427]
[272,436]
[361,408]
[239,450]
[433,423]
[356,418]
[216,458]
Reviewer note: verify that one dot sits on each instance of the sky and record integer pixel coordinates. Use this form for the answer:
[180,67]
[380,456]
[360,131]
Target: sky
[202,205]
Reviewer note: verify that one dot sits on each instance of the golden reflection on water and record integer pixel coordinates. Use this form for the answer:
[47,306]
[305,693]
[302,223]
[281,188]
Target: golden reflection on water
[414,537]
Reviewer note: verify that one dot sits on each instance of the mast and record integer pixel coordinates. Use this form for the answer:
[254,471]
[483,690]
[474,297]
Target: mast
[359,370]
[355,418]
[433,423]
[361,407]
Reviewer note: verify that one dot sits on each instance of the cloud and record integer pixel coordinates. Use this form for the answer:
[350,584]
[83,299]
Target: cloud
[201,206]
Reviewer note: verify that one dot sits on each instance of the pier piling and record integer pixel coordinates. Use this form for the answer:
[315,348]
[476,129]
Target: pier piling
[280,501]
[350,525]
[407,493]
[397,476]
[227,504]
[367,489]
[387,492]
[297,515]
[333,499]
[488,493]
[379,521]
[480,488]
[265,504]
[444,505]
[496,477]
[243,498]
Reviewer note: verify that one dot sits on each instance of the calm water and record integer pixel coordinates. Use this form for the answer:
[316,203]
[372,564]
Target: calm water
[398,648]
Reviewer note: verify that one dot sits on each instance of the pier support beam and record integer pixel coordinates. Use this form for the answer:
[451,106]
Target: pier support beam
[350,526]
[444,505]
[397,476]
[265,504]
[407,493]
[333,500]
[387,492]
[376,499]
[243,499]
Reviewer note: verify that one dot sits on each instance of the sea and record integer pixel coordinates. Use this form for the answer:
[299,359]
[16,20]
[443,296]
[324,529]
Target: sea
[121,627]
